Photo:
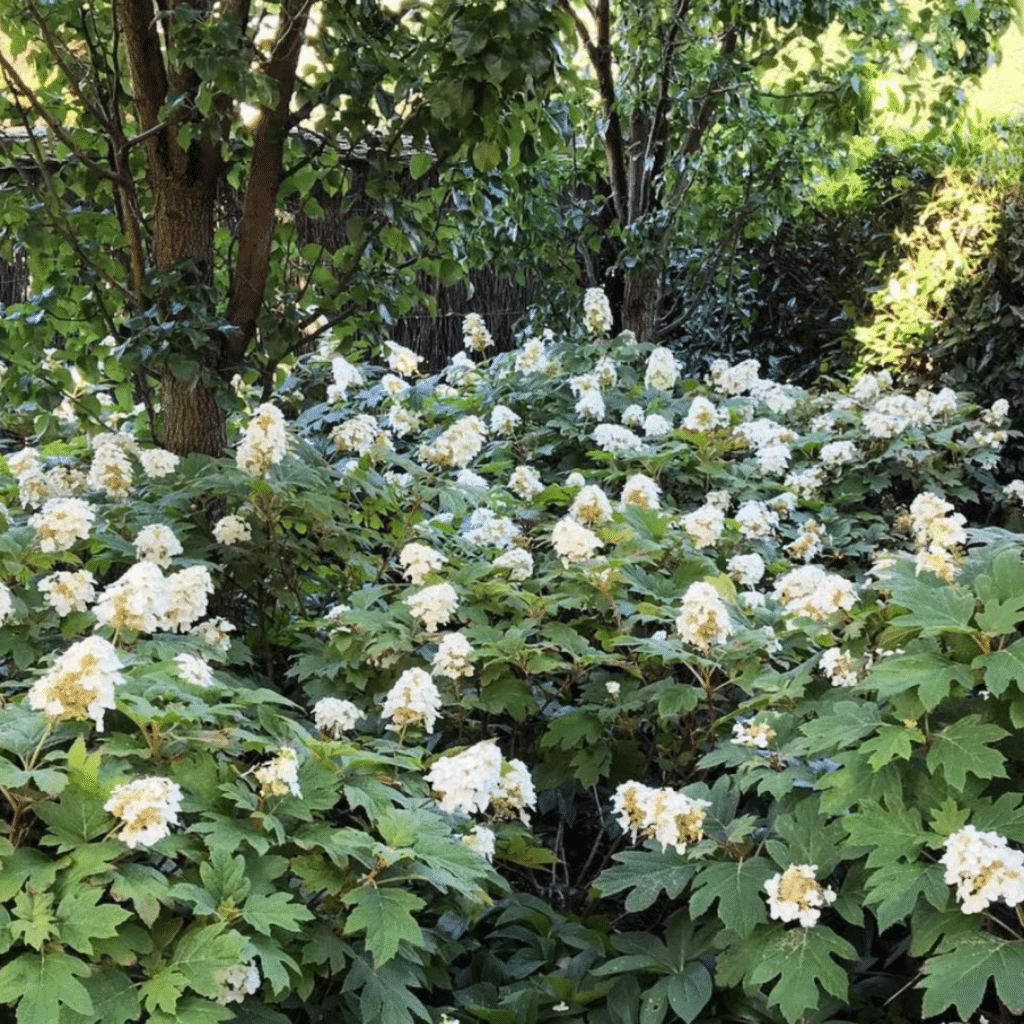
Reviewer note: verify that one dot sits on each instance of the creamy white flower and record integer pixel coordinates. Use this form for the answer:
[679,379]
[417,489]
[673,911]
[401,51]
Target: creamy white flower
[671,818]
[393,384]
[746,570]
[808,542]
[597,313]
[345,376]
[633,416]
[466,782]
[68,592]
[232,529]
[467,478]
[61,522]
[812,592]
[533,357]
[734,380]
[481,840]
[6,604]
[514,792]
[110,470]
[475,336]
[237,982]
[402,360]
[575,479]
[264,441]
[360,434]
[984,868]
[1014,491]
[452,657]
[418,561]
[193,669]
[487,529]
[656,425]
[640,491]
[591,506]
[704,415]
[334,716]
[757,521]
[573,542]
[80,683]
[413,700]
[590,405]
[456,446]
[752,735]
[703,618]
[157,543]
[402,421]
[186,592]
[525,482]
[795,895]
[136,601]
[838,453]
[215,633]
[156,462]
[434,606]
[610,437]
[518,562]
[662,370]
[704,525]
[280,775]
[148,807]
[504,420]
[841,667]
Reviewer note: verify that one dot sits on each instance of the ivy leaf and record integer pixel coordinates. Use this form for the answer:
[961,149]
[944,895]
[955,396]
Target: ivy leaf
[647,873]
[385,915]
[961,747]
[264,912]
[801,958]
[959,978]
[41,983]
[738,889]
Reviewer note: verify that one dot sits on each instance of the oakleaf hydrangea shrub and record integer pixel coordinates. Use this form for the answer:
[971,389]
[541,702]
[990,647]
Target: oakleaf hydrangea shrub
[555,685]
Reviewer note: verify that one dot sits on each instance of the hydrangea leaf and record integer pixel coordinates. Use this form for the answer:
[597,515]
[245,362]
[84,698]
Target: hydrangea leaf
[855,782]
[81,918]
[806,839]
[1002,668]
[802,959]
[386,916]
[114,999]
[891,742]
[847,722]
[894,831]
[647,873]
[892,890]
[201,952]
[738,888]
[193,1010]
[277,909]
[962,747]
[43,983]
[933,607]
[959,978]
[927,670]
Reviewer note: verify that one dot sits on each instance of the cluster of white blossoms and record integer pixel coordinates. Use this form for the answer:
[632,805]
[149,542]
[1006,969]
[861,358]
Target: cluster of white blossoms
[466,781]
[458,445]
[704,416]
[589,401]
[36,485]
[158,544]
[480,839]
[703,618]
[836,454]
[591,506]
[573,542]
[504,420]
[280,775]
[758,734]
[67,591]
[144,600]
[704,525]
[434,606]
[840,667]
[80,683]
[669,817]
[533,356]
[662,370]
[264,441]
[402,360]
[517,562]
[640,491]
[984,868]
[475,336]
[938,535]
[6,603]
[345,376]
[734,380]
[61,522]
[597,313]
[360,434]
[232,529]
[215,633]
[795,895]
[413,700]
[514,793]
[157,462]
[813,593]
[237,982]
[393,384]
[452,658]
[335,717]
[610,437]
[194,670]
[418,561]
[148,807]
[656,425]
[525,482]
[746,570]
[808,542]
[757,520]
[111,470]
[487,529]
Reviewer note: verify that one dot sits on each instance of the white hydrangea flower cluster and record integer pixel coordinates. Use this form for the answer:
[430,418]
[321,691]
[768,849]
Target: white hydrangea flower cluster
[836,454]
[1014,492]
[504,421]
[757,520]
[656,425]
[597,313]
[148,807]
[703,617]
[591,506]
[533,356]
[589,401]
[452,658]
[280,775]
[610,437]
[231,529]
[61,522]
[413,700]
[515,793]
[840,666]
[466,781]
[488,529]
[573,542]
[237,982]
[808,542]
[525,482]
[795,895]
[144,600]
[662,370]
[37,486]
[704,525]
[434,606]
[517,562]
[480,839]
[264,442]
[938,535]
[194,670]
[335,717]
[892,415]
[475,336]
[157,462]
[734,380]
[418,561]
[640,491]
[704,416]
[345,376]
[80,683]
[215,633]
[758,734]
[669,817]
[746,570]
[813,593]
[68,592]
[6,603]
[360,434]
[402,360]
[458,445]
[984,868]
[402,421]
[157,543]
[111,470]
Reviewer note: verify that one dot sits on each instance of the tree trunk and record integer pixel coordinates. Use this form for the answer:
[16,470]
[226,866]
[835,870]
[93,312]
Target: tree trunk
[641,304]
